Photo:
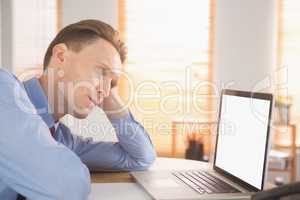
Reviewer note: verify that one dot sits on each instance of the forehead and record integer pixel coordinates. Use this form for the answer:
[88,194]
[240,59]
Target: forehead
[103,54]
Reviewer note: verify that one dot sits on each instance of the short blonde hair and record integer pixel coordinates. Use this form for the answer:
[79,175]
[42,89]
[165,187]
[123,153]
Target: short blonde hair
[76,35]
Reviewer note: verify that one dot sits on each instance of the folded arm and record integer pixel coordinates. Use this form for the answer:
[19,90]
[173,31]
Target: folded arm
[133,151]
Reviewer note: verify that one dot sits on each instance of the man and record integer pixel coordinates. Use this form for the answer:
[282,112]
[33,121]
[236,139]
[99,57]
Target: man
[40,158]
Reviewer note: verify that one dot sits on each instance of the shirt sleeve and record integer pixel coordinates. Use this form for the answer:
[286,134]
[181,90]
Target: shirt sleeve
[133,151]
[32,163]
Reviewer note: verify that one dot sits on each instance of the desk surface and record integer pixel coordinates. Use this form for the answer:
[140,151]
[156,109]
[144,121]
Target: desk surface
[159,164]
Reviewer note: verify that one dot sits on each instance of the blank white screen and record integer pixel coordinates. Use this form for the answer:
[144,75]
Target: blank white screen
[242,137]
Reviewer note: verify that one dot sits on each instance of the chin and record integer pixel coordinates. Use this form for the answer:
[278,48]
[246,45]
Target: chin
[81,115]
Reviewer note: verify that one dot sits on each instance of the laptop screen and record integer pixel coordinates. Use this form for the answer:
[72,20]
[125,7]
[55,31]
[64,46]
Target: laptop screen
[242,137]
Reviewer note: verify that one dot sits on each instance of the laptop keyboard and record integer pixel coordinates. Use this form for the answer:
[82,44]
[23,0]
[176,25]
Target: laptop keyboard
[204,182]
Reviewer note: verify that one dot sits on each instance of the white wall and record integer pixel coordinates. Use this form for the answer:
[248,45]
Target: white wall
[105,10]
[245,42]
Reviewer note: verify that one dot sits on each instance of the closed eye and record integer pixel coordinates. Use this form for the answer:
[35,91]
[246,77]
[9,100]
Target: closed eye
[103,72]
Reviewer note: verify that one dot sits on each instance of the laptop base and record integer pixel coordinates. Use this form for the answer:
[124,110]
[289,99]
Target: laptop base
[163,185]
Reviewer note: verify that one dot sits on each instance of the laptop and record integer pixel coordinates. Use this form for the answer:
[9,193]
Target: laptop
[240,157]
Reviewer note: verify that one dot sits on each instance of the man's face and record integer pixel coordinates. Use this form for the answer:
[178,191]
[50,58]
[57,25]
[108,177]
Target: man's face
[88,76]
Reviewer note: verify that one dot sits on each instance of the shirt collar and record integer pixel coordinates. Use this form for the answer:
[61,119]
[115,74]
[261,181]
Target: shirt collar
[39,100]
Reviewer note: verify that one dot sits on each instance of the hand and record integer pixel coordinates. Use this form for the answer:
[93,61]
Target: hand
[113,105]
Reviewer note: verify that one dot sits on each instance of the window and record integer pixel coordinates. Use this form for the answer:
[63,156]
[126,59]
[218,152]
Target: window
[289,48]
[169,62]
[288,55]
[31,39]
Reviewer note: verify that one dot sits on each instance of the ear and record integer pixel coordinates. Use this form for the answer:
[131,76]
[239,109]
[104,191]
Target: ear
[59,52]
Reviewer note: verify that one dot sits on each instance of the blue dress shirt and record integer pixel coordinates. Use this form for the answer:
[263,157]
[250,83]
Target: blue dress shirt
[40,167]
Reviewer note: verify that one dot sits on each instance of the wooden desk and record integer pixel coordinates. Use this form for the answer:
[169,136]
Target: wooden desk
[111,177]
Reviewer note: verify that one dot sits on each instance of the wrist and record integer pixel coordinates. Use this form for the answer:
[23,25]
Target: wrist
[114,107]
